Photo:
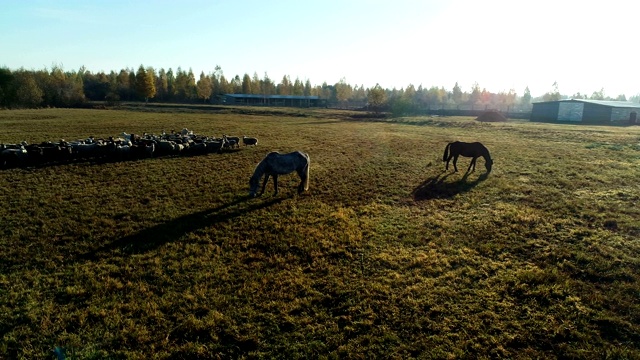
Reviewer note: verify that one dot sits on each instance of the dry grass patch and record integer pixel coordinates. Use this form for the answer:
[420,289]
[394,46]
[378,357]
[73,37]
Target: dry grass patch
[386,256]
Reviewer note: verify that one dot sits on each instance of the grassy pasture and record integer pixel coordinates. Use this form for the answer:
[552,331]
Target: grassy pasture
[386,256]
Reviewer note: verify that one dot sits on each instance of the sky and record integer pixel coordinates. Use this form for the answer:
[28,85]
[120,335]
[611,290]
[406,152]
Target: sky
[500,45]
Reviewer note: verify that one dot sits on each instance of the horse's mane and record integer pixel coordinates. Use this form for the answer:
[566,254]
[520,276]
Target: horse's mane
[260,169]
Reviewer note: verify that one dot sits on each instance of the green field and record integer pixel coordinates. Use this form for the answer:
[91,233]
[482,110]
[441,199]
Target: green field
[386,256]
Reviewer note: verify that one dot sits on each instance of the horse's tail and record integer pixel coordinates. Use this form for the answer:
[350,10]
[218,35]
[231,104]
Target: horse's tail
[306,173]
[446,152]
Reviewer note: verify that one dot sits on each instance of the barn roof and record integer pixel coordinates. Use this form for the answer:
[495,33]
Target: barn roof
[609,103]
[254,96]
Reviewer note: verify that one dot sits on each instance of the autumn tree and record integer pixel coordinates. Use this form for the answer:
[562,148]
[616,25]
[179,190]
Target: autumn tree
[267,86]
[146,83]
[343,91]
[284,88]
[236,85]
[359,94]
[376,97]
[27,92]
[485,97]
[246,84]
[404,101]
[474,97]
[307,88]
[204,88]
[298,88]
[598,95]
[256,86]
[61,89]
[225,88]
[436,96]
[553,95]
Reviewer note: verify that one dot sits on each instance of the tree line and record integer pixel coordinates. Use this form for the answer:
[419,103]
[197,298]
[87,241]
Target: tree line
[58,88]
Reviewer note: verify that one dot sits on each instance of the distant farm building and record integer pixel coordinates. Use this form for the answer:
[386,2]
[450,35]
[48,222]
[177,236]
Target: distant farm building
[586,112]
[272,100]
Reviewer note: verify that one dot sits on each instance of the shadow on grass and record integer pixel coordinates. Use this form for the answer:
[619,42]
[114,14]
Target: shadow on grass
[436,187]
[156,236]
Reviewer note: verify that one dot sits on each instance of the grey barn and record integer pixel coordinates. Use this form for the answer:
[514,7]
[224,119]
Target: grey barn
[273,100]
[586,112]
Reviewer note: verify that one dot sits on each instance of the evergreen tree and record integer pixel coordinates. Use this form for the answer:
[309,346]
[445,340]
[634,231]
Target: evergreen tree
[132,84]
[191,90]
[6,80]
[307,88]
[171,85]
[456,94]
[181,85]
[162,85]
[267,86]
[298,88]
[526,97]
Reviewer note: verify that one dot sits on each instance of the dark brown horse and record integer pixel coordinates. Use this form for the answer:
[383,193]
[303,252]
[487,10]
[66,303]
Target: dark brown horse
[473,150]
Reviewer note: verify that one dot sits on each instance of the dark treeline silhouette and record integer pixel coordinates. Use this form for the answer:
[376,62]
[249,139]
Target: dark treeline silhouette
[58,88]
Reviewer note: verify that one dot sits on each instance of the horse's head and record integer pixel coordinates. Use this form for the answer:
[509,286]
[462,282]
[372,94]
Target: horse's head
[488,164]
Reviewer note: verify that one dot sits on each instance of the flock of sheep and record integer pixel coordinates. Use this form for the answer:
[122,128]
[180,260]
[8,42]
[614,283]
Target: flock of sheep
[124,147]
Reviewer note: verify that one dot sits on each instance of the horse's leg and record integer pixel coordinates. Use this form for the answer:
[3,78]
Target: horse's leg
[302,179]
[264,183]
[455,161]
[473,163]
[275,184]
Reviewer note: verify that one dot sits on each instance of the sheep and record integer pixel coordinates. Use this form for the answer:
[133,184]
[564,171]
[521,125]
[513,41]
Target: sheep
[249,141]
[234,141]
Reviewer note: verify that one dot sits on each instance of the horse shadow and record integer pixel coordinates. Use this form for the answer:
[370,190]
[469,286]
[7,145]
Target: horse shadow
[156,236]
[436,187]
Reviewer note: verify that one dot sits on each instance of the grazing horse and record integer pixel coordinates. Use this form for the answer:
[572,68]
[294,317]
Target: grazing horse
[473,150]
[275,164]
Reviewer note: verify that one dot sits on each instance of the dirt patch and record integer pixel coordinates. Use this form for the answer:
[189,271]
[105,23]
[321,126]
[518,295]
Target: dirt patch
[491,116]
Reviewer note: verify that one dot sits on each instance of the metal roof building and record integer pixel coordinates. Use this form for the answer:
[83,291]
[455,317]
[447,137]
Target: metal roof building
[274,100]
[586,112]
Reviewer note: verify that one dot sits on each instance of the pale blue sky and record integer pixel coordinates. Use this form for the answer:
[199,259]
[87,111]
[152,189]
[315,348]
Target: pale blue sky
[499,44]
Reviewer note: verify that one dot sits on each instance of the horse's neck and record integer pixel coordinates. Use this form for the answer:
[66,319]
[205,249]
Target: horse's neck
[261,169]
